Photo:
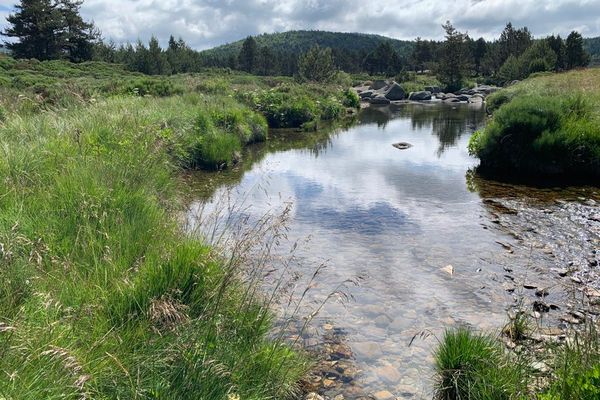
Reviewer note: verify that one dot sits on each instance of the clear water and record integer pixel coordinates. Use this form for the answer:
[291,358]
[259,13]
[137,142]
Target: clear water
[395,218]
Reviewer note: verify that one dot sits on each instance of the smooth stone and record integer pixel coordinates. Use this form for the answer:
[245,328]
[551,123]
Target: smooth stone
[314,396]
[383,395]
[388,373]
[449,269]
[367,349]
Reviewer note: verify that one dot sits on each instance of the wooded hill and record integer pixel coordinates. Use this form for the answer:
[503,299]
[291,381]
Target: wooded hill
[298,42]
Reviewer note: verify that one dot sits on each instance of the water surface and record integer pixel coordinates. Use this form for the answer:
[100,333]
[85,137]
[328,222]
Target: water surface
[395,218]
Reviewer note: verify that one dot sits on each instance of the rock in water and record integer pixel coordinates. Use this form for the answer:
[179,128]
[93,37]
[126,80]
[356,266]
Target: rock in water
[402,145]
[395,92]
[449,269]
[379,99]
[420,96]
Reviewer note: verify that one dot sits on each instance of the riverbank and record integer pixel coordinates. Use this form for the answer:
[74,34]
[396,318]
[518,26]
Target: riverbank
[101,293]
[545,127]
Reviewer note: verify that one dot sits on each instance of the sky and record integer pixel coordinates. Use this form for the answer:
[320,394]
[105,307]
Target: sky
[208,23]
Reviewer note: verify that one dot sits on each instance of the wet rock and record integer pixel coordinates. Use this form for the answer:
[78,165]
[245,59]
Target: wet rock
[420,96]
[367,349]
[449,269]
[402,145]
[379,100]
[591,292]
[569,319]
[339,397]
[383,395]
[388,373]
[406,391]
[367,94]
[313,396]
[541,307]
[395,92]
[382,321]
[530,285]
[542,292]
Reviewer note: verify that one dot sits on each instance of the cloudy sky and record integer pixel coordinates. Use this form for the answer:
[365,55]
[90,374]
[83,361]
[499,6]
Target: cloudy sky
[207,23]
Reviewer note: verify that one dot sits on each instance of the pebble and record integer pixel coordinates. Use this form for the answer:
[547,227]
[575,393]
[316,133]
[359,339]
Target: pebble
[449,269]
[388,373]
[313,396]
[367,349]
[383,395]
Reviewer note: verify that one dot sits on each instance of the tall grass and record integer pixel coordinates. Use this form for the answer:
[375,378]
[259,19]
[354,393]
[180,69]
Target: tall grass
[537,131]
[101,295]
[474,366]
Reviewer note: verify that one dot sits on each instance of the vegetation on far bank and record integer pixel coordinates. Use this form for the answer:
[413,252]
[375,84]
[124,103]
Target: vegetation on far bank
[548,125]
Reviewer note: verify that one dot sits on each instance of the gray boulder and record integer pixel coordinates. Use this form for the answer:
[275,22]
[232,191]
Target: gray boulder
[379,99]
[463,97]
[395,92]
[476,99]
[378,84]
[366,94]
[420,96]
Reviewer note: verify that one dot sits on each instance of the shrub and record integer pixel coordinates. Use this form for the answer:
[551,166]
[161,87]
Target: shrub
[540,134]
[330,109]
[473,366]
[350,98]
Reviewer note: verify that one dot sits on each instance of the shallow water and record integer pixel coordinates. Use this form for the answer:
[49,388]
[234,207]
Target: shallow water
[395,218]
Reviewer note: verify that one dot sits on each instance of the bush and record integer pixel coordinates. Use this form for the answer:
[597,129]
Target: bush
[473,366]
[350,98]
[540,135]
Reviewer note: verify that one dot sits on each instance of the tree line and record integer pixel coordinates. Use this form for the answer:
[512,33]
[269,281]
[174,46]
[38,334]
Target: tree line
[54,29]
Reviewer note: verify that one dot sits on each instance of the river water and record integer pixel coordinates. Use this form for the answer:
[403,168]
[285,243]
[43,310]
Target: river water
[426,244]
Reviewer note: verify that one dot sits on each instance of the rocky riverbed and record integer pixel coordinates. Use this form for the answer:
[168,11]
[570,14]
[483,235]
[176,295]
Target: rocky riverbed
[383,92]
[550,273]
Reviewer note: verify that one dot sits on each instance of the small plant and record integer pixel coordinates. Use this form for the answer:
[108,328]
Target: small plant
[473,366]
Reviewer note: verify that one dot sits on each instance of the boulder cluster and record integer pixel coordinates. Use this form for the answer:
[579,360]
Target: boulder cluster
[382,92]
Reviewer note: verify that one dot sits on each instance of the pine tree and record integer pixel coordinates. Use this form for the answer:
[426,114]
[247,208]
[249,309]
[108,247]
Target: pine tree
[317,65]
[480,49]
[50,29]
[453,63]
[558,46]
[248,55]
[576,55]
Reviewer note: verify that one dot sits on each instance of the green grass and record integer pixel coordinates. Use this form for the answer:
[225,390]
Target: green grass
[101,295]
[548,125]
[474,366]
[38,86]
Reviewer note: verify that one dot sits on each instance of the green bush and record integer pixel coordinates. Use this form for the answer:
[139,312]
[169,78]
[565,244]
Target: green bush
[473,366]
[540,135]
[350,98]
[331,109]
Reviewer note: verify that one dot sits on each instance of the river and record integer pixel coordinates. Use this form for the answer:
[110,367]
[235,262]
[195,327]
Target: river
[426,244]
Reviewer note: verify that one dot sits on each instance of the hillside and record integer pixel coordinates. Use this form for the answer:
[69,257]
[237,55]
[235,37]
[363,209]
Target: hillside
[299,41]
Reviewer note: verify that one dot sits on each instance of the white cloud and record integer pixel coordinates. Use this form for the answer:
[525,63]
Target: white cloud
[206,23]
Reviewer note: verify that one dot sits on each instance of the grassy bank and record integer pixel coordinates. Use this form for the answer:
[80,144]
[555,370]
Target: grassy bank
[476,366]
[547,125]
[101,294]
